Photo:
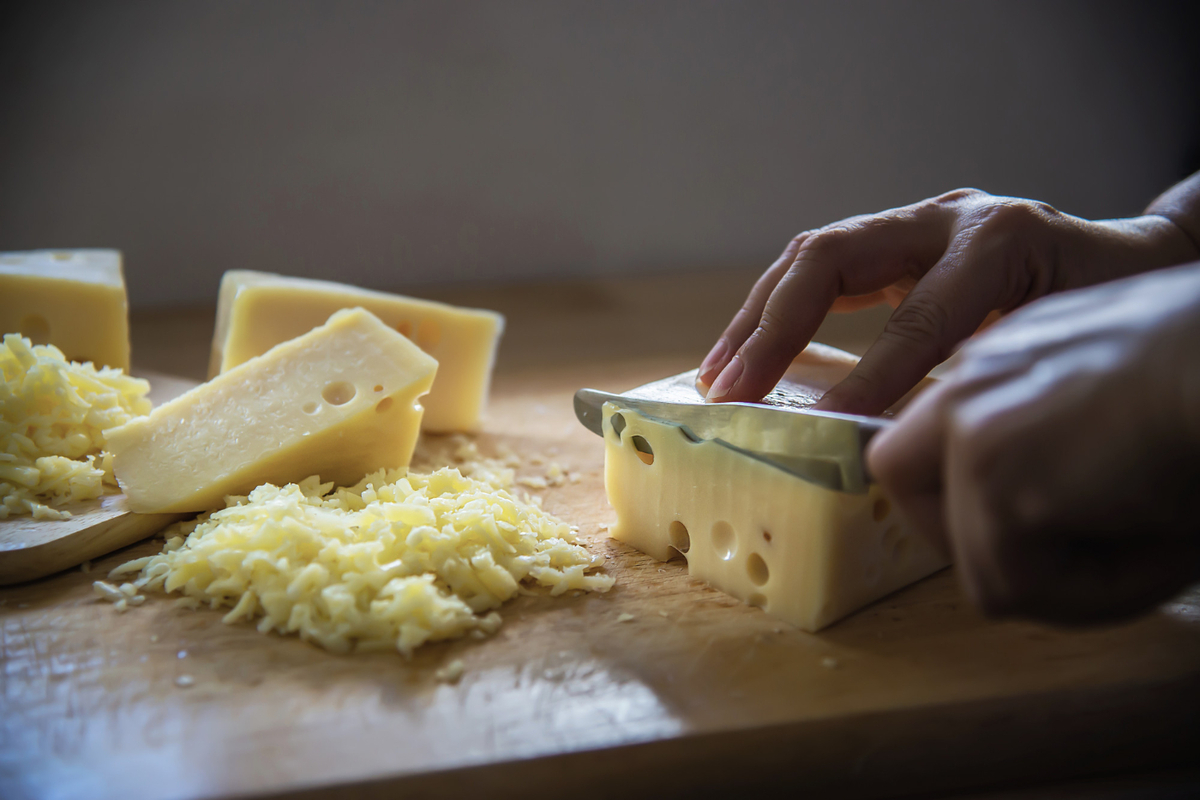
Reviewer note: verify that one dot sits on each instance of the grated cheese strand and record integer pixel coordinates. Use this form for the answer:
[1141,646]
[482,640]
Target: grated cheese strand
[395,561]
[53,414]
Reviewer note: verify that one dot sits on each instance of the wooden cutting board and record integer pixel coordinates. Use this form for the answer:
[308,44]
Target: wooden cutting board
[696,694]
[697,691]
[33,548]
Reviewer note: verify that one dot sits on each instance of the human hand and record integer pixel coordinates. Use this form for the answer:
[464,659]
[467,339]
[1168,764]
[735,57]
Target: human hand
[1059,461]
[945,264]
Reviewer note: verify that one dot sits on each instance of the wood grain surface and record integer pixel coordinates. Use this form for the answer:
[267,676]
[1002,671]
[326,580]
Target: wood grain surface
[697,694]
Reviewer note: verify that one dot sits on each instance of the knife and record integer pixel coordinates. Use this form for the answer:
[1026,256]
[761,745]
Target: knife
[821,447]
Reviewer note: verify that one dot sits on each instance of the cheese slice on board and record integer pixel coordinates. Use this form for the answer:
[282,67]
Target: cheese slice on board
[801,552]
[340,401]
[72,299]
[258,310]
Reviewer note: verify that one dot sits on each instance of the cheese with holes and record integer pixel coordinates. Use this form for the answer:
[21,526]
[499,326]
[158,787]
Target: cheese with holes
[72,299]
[258,310]
[802,552]
[339,402]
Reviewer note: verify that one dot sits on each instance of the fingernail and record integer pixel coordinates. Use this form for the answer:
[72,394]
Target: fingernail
[713,361]
[725,382]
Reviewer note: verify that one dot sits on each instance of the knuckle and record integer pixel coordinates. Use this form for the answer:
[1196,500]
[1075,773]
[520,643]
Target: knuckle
[822,245]
[1008,218]
[920,320]
[958,195]
[775,329]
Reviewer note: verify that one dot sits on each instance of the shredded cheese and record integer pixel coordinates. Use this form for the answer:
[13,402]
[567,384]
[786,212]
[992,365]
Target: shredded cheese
[390,563]
[53,414]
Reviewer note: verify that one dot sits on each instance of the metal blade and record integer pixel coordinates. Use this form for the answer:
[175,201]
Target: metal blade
[820,447]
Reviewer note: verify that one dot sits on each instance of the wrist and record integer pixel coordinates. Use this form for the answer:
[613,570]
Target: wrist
[1180,205]
[1120,248]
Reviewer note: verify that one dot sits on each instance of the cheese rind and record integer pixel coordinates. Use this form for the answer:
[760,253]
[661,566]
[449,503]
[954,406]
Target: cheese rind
[339,401]
[803,553]
[73,299]
[258,310]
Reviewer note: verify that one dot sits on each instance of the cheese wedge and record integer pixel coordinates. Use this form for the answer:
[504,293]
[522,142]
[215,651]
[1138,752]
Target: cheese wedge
[72,299]
[339,402]
[258,310]
[803,553]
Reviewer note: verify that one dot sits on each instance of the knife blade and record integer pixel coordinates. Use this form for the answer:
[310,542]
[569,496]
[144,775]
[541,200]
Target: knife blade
[821,447]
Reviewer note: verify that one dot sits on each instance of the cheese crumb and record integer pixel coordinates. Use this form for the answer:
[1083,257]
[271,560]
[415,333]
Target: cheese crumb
[53,414]
[829,663]
[452,672]
[390,563]
[185,681]
[625,617]
[107,591]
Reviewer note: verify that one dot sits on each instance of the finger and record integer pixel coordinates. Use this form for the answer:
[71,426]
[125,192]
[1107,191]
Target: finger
[747,317]
[857,257]
[1060,542]
[1091,578]
[945,307]
[906,459]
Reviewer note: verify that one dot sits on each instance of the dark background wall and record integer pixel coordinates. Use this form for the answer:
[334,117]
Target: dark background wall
[402,144]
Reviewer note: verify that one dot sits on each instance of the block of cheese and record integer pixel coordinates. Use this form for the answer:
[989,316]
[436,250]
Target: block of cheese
[72,299]
[339,402]
[804,553]
[258,310]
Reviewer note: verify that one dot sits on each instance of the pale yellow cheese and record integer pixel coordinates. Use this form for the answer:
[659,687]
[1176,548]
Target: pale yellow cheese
[400,559]
[73,299]
[339,401]
[258,310]
[804,553]
[53,414]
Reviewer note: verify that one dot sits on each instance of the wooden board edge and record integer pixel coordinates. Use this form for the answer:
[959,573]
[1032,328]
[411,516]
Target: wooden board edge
[21,565]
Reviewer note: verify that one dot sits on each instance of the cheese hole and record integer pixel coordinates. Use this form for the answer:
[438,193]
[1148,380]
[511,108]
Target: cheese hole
[339,393]
[36,327]
[429,333]
[680,540]
[310,407]
[404,329]
[618,424]
[724,539]
[756,568]
[767,537]
[378,387]
[880,509]
[758,601]
[383,405]
[644,450]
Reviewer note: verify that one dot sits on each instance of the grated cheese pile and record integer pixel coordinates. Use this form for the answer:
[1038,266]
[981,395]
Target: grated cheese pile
[393,562]
[53,414]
